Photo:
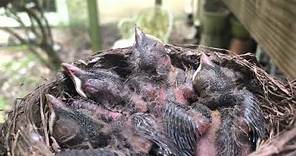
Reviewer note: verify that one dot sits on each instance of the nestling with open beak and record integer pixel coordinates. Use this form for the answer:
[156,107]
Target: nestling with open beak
[100,85]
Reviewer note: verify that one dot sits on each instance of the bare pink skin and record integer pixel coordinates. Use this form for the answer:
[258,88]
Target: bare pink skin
[183,93]
[246,150]
[154,94]
[180,98]
[150,91]
[140,104]
[202,123]
[140,144]
[137,143]
[206,145]
[103,112]
[161,96]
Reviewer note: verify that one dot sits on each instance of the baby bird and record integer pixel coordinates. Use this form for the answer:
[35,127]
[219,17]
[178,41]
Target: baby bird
[81,126]
[186,127]
[233,135]
[94,110]
[151,60]
[100,85]
[72,128]
[177,88]
[91,152]
[218,89]
[227,135]
[150,55]
[181,89]
[174,129]
[211,79]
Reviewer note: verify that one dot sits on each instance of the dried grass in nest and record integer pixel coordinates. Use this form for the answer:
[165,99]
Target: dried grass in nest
[26,130]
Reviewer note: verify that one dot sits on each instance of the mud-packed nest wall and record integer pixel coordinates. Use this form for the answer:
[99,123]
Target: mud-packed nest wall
[26,131]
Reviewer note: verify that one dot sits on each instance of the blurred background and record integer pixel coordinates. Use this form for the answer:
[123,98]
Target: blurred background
[37,35]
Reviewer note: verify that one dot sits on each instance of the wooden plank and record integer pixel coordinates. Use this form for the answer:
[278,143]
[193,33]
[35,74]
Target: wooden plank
[94,24]
[273,25]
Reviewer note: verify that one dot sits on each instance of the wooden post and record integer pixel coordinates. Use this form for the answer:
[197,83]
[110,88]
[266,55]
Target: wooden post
[158,2]
[272,24]
[94,24]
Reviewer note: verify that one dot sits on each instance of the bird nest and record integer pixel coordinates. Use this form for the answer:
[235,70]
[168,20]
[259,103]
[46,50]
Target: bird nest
[26,130]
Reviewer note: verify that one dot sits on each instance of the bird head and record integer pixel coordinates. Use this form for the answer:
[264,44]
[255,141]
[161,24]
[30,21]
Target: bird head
[150,53]
[54,103]
[60,126]
[71,127]
[205,73]
[212,77]
[78,76]
[99,85]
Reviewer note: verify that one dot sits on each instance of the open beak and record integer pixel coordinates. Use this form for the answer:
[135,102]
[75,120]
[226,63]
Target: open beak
[72,70]
[74,73]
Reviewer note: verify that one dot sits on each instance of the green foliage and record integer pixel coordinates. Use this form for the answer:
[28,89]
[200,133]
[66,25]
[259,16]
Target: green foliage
[155,21]
[3,105]
[16,71]
[20,71]
[78,13]
[42,43]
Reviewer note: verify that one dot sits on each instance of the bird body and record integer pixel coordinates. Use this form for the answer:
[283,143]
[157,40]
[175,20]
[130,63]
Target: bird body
[233,137]
[219,88]
[94,109]
[207,143]
[71,127]
[185,127]
[90,152]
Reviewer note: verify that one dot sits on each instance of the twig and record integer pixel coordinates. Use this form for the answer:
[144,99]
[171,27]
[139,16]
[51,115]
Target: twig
[14,143]
[23,41]
[276,145]
[44,123]
[38,6]
[36,15]
[32,14]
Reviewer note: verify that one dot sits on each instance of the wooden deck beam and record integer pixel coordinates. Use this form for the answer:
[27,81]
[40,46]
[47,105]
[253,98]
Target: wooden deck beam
[273,25]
